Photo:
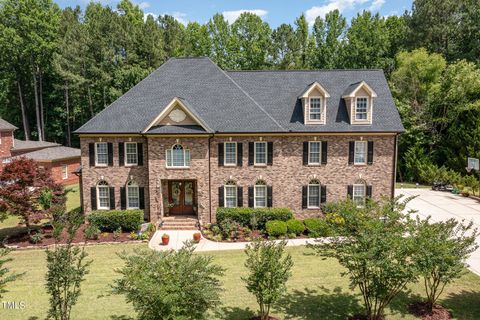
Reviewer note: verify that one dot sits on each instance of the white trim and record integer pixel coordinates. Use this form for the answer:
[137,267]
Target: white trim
[96,156]
[364,186]
[367,111]
[233,186]
[98,196]
[255,153]
[319,155]
[65,175]
[313,86]
[355,152]
[255,195]
[362,84]
[126,157]
[310,109]
[319,195]
[184,157]
[225,154]
[175,101]
[132,184]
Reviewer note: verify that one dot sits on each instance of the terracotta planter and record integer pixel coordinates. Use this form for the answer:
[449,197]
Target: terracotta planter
[197,236]
[165,240]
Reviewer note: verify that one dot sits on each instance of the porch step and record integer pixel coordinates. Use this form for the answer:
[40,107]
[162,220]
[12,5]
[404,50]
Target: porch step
[179,223]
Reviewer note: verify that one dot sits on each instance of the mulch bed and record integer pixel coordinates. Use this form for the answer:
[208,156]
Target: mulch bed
[23,240]
[255,234]
[269,318]
[419,309]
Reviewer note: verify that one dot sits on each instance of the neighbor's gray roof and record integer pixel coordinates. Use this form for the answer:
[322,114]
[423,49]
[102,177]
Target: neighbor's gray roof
[243,101]
[25,145]
[53,154]
[5,125]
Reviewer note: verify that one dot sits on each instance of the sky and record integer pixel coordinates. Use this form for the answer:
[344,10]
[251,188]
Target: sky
[275,12]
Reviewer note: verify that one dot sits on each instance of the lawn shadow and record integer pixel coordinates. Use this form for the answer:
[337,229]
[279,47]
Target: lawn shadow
[463,305]
[402,300]
[310,304]
[122,317]
[234,313]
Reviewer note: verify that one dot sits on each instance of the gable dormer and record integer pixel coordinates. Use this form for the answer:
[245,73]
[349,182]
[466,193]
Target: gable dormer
[314,104]
[359,101]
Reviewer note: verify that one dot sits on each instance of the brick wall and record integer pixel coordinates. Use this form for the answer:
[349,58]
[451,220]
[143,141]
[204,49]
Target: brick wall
[6,138]
[57,174]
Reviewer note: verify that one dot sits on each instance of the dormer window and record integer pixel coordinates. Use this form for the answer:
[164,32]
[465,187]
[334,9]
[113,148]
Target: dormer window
[359,101]
[314,104]
[361,108]
[315,108]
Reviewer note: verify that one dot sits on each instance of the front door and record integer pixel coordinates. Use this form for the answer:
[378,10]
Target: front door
[181,195]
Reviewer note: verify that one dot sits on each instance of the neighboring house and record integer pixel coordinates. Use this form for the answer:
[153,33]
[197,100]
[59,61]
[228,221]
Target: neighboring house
[191,137]
[59,160]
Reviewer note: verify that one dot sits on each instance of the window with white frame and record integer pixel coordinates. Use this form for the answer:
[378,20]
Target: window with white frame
[313,194]
[359,193]
[64,171]
[361,108]
[133,198]
[101,154]
[315,111]
[230,194]
[360,155]
[314,152]
[260,194]
[178,157]
[230,158]
[260,153]
[103,195]
[131,155]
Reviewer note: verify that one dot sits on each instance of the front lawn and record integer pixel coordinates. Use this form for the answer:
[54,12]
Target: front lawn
[316,289]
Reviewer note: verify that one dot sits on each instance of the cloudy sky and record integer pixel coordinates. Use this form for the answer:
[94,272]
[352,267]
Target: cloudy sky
[274,12]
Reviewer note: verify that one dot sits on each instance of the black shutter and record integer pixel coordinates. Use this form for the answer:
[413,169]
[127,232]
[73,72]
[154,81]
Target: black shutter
[123,198]
[324,152]
[323,193]
[220,197]
[239,154]
[351,152]
[370,152]
[93,197]
[239,197]
[250,197]
[91,154]
[141,197]
[112,198]
[350,191]
[269,153]
[369,192]
[304,196]
[220,154]
[269,197]
[140,154]
[251,147]
[121,154]
[110,154]
[305,153]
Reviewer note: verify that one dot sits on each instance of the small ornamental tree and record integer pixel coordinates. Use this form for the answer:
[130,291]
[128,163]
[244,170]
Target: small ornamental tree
[441,251]
[269,269]
[376,254]
[169,284]
[6,275]
[28,191]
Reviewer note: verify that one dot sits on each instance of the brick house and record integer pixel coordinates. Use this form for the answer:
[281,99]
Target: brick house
[59,160]
[191,137]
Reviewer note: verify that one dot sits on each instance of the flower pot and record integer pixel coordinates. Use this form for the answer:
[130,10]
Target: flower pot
[165,240]
[197,236]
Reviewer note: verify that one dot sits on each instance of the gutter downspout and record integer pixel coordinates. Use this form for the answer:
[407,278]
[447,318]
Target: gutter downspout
[395,155]
[209,178]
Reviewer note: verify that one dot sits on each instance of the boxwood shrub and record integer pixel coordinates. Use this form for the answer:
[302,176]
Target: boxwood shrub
[276,228]
[111,220]
[317,227]
[254,218]
[295,226]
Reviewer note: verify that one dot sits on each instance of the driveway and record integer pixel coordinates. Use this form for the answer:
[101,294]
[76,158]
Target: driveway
[443,206]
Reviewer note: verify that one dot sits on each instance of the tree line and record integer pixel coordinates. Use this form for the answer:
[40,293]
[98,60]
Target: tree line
[59,67]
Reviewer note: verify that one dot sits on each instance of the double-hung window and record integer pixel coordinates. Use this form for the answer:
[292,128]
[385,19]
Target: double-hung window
[359,194]
[230,158]
[260,194]
[315,108]
[133,201]
[260,153]
[314,152]
[103,196]
[131,155]
[230,195]
[360,155]
[64,171]
[361,109]
[178,157]
[101,154]
[314,195]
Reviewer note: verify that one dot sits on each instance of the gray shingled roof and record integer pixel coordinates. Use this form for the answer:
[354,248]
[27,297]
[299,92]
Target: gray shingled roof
[25,145]
[243,101]
[53,154]
[183,129]
[5,125]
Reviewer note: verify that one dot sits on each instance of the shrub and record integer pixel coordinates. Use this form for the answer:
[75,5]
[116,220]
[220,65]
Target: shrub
[295,226]
[317,227]
[92,232]
[226,227]
[253,217]
[128,220]
[117,233]
[36,238]
[276,228]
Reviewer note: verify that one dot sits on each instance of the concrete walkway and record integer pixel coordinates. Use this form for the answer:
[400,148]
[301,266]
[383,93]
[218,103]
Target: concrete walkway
[178,237]
[442,206]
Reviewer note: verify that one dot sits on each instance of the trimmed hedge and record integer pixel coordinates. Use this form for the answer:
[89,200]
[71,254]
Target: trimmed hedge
[246,216]
[317,227]
[276,228]
[111,220]
[295,226]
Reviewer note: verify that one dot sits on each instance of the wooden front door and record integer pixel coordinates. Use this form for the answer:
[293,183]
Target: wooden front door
[181,193]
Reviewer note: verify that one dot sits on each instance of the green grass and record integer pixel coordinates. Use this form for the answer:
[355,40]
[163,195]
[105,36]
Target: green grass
[73,196]
[316,288]
[410,185]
